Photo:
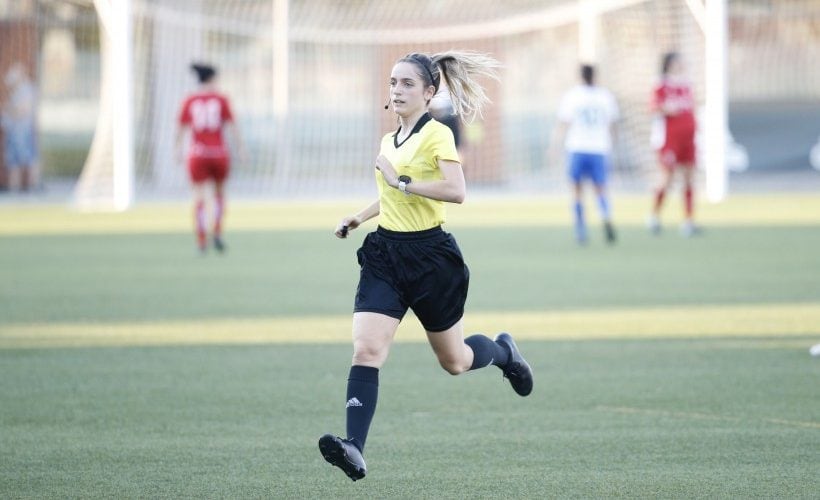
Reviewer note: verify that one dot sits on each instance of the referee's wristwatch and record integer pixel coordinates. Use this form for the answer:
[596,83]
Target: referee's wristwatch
[404,180]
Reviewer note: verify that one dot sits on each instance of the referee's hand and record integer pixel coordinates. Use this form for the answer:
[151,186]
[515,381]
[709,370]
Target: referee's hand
[345,225]
[388,171]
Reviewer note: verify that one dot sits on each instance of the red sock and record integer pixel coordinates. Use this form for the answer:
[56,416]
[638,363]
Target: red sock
[219,211]
[687,200]
[199,220]
[659,195]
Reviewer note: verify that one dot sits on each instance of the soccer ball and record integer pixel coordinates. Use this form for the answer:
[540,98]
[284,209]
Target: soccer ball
[815,350]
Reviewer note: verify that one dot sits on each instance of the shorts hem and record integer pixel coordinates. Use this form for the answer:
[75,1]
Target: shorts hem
[391,314]
[444,327]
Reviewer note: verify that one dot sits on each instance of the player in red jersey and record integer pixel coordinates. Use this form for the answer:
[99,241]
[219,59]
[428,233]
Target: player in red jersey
[674,102]
[206,113]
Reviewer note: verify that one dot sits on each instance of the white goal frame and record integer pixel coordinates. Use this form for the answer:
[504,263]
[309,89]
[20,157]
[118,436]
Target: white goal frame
[117,18]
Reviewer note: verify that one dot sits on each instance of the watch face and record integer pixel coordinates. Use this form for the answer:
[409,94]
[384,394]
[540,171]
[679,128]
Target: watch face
[405,179]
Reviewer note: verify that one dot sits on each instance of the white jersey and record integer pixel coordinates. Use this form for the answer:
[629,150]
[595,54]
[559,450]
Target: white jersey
[589,111]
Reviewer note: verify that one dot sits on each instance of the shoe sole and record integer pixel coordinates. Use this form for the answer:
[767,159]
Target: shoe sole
[333,451]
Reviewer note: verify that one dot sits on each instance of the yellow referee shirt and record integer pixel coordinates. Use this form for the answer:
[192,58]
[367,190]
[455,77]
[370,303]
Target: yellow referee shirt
[416,157]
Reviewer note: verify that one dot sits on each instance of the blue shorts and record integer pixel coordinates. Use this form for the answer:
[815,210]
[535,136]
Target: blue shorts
[590,165]
[19,148]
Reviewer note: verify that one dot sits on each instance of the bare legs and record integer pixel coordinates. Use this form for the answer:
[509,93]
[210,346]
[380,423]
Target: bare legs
[219,212]
[667,177]
[603,208]
[199,215]
[453,354]
[200,194]
[372,337]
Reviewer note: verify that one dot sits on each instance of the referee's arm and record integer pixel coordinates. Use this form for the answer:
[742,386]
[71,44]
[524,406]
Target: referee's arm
[354,221]
[452,188]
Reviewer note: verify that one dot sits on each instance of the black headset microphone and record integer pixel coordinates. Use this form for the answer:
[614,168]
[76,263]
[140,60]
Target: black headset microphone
[387,106]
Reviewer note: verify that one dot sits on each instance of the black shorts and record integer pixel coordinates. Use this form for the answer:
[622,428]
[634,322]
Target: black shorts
[421,270]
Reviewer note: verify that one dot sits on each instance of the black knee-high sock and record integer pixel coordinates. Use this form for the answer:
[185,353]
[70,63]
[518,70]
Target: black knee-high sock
[486,351]
[362,393]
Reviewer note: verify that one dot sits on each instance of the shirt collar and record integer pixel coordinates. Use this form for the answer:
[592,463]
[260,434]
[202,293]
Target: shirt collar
[423,119]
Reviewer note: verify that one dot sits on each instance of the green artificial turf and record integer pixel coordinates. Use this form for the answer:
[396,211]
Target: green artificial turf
[661,416]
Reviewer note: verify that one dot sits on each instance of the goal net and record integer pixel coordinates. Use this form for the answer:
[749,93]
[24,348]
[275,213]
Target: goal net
[308,83]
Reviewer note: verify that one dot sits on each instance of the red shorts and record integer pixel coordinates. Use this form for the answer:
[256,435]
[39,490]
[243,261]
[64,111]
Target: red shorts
[678,150]
[203,169]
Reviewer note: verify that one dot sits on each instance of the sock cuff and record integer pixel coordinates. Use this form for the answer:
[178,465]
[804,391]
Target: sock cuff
[486,351]
[364,374]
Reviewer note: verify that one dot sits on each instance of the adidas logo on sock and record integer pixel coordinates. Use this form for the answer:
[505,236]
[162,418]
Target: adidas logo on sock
[353,402]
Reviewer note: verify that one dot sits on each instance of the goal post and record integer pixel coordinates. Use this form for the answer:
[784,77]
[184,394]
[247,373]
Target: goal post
[122,81]
[107,179]
[716,110]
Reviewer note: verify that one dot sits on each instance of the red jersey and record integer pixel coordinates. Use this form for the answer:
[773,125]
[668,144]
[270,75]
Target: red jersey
[678,94]
[206,113]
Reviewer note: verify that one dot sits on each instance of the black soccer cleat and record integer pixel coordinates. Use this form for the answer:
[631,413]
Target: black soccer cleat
[517,370]
[219,245]
[609,232]
[344,455]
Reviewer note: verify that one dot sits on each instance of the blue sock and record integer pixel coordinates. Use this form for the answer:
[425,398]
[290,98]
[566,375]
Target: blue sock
[486,351]
[603,206]
[362,393]
[580,226]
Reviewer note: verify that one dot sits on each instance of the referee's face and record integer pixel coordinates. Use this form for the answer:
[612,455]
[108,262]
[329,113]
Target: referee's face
[407,91]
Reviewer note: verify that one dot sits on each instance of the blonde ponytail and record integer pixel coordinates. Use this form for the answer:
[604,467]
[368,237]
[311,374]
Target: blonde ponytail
[460,70]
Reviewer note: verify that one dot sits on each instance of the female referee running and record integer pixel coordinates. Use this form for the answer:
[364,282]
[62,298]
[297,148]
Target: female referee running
[409,261]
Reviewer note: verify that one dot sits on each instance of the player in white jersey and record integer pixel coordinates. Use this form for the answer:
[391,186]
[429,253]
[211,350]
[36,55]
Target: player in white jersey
[587,116]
